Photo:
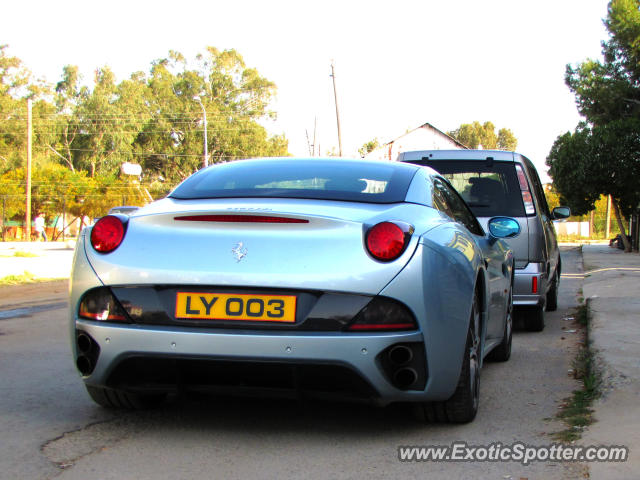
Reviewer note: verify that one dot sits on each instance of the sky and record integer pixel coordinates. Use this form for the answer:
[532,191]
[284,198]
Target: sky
[397,64]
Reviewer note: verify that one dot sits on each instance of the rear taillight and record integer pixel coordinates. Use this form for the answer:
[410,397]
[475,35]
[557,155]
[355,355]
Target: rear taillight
[387,240]
[527,198]
[99,304]
[383,314]
[107,234]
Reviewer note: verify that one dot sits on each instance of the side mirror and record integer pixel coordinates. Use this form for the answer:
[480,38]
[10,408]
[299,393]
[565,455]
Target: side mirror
[504,227]
[560,213]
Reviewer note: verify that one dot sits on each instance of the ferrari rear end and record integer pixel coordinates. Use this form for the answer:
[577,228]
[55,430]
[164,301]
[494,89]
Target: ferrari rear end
[265,286]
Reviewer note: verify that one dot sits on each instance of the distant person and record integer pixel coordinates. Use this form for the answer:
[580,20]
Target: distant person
[40,227]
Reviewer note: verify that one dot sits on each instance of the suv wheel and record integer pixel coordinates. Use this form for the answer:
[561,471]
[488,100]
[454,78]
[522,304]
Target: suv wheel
[534,319]
[552,294]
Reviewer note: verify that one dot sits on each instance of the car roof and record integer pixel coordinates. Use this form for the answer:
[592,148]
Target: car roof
[498,155]
[324,160]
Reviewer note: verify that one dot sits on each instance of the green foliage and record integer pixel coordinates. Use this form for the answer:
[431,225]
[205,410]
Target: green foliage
[26,277]
[594,161]
[506,140]
[368,147]
[570,162]
[604,158]
[13,78]
[55,189]
[576,410]
[21,254]
[475,135]
[609,90]
[83,134]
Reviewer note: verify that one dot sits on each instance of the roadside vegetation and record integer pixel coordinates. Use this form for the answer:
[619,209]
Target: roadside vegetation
[25,277]
[576,411]
[20,254]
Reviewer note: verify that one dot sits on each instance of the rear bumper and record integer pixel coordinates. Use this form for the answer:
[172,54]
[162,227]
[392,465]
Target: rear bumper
[360,353]
[523,286]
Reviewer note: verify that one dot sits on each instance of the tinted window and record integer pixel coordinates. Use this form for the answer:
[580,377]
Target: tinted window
[448,200]
[488,190]
[378,182]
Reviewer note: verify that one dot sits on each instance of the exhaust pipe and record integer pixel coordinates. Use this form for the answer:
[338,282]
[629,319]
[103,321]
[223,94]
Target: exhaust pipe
[405,377]
[84,364]
[400,355]
[88,352]
[84,343]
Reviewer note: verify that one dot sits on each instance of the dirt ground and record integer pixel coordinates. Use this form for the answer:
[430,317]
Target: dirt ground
[29,294]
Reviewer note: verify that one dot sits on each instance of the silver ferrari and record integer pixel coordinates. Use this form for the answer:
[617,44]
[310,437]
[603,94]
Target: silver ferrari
[333,278]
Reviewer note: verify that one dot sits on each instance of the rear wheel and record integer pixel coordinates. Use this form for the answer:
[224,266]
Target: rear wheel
[502,352]
[552,294]
[111,398]
[463,404]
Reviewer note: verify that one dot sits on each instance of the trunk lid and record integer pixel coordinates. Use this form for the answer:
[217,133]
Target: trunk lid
[326,252]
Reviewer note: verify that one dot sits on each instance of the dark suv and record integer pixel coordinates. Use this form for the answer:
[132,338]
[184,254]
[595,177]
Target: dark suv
[498,183]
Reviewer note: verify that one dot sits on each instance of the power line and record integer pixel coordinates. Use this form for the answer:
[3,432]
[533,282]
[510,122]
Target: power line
[107,116]
[170,154]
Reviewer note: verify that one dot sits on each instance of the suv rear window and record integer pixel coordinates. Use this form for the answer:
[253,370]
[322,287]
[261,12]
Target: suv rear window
[488,190]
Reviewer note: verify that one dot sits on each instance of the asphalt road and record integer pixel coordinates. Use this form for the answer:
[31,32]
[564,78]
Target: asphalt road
[50,428]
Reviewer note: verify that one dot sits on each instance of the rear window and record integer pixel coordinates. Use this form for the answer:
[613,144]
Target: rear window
[315,179]
[488,190]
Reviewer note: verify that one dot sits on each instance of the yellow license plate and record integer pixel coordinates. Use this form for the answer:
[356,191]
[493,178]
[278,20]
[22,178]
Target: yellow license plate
[232,306]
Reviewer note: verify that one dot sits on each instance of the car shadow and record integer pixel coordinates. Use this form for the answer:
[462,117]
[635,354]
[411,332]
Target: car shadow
[262,416]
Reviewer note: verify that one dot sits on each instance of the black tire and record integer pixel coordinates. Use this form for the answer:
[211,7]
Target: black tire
[552,294]
[502,352]
[110,398]
[463,404]
[534,319]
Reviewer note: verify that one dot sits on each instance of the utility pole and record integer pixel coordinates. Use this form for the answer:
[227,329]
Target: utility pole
[335,96]
[607,232]
[27,215]
[315,127]
[64,215]
[308,142]
[4,207]
[205,155]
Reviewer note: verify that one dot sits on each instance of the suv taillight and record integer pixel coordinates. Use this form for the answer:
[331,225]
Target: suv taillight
[527,198]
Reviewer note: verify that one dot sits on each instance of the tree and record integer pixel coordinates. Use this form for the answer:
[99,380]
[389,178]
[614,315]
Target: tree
[368,147]
[475,135]
[608,96]
[571,161]
[599,160]
[13,80]
[235,98]
[84,133]
[609,90]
